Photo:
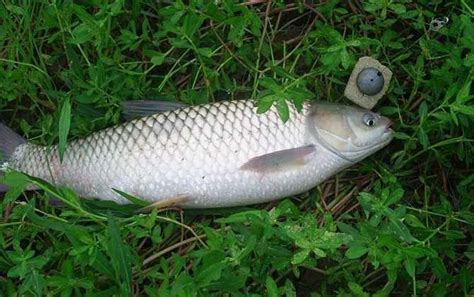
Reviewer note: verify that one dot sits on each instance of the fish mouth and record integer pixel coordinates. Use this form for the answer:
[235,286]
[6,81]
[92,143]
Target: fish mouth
[388,131]
[387,136]
[387,127]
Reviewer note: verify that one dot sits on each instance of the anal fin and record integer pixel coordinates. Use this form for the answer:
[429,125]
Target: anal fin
[165,203]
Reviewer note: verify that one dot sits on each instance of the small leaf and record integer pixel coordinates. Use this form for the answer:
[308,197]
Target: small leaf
[356,252]
[81,34]
[270,84]
[158,59]
[438,268]
[210,273]
[464,95]
[13,194]
[465,109]
[394,196]
[15,9]
[410,266]
[465,279]
[272,288]
[191,24]
[423,110]
[265,103]
[300,256]
[345,59]
[205,51]
[283,110]
[64,125]
[423,138]
[401,136]
[357,290]
[36,282]
[399,229]
[319,252]
[398,8]
[414,221]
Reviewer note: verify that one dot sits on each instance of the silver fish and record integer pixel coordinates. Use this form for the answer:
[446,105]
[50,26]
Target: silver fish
[215,155]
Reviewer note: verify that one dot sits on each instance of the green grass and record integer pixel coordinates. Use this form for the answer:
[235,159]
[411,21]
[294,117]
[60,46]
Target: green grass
[399,223]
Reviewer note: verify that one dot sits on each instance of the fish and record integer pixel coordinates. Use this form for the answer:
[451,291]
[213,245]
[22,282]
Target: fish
[214,155]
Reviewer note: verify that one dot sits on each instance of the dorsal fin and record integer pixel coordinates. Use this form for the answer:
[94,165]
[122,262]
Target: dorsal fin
[141,108]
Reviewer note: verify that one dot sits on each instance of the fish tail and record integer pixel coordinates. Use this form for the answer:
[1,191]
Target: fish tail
[9,141]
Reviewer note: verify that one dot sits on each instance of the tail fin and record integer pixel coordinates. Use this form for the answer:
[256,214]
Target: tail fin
[9,141]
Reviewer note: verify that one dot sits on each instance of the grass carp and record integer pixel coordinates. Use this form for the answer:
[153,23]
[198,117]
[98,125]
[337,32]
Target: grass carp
[215,155]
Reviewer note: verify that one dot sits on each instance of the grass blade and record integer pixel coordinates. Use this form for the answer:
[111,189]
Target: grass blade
[120,257]
[64,125]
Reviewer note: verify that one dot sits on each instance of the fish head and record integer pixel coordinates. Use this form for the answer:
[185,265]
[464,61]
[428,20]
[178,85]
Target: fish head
[351,132]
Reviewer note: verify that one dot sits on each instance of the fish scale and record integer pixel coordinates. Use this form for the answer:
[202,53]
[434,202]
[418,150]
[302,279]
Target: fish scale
[196,152]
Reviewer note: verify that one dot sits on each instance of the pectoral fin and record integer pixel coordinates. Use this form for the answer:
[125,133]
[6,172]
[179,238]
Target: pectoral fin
[280,160]
[136,109]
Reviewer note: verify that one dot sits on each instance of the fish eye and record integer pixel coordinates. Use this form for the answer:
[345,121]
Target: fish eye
[369,119]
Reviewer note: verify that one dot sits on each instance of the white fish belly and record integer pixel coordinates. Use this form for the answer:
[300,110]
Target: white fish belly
[236,187]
